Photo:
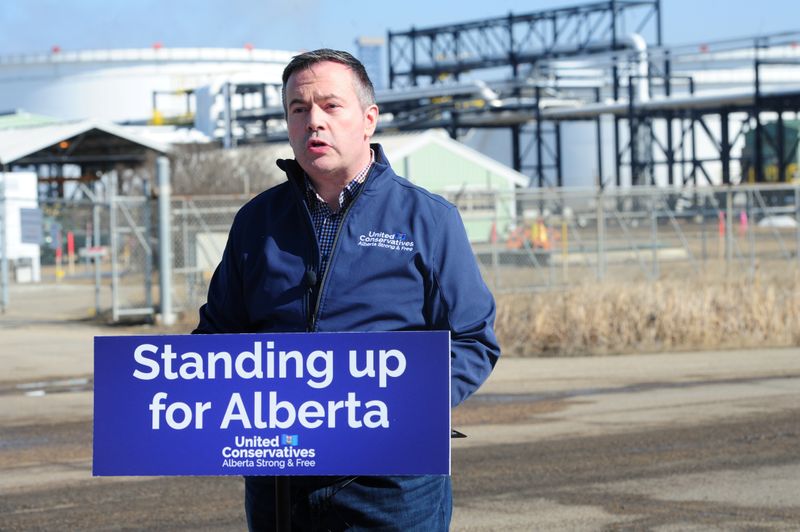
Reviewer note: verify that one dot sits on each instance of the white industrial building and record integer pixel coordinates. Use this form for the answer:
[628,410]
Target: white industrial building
[119,85]
[21,224]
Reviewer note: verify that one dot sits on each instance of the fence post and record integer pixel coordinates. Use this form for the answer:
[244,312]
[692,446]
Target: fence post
[3,245]
[654,233]
[189,278]
[114,243]
[96,241]
[165,240]
[797,220]
[728,230]
[747,219]
[493,238]
[147,223]
[601,237]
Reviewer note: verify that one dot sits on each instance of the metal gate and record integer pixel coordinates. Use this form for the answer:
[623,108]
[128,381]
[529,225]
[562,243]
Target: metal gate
[131,250]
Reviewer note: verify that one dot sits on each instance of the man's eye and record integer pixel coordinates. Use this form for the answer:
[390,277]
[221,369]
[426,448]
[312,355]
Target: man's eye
[298,110]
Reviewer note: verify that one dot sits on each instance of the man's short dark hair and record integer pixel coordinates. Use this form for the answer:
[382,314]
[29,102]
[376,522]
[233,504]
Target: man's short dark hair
[363,85]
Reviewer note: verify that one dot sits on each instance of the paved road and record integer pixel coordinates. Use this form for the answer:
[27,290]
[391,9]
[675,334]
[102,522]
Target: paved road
[740,473]
[691,441]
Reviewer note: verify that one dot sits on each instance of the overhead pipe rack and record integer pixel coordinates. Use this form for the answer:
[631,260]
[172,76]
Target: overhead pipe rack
[440,77]
[439,54]
[515,40]
[438,57]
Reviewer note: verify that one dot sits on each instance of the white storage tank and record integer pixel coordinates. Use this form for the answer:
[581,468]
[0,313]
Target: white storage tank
[118,85]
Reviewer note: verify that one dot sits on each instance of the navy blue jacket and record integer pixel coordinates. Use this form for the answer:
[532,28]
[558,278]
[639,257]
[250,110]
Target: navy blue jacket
[401,262]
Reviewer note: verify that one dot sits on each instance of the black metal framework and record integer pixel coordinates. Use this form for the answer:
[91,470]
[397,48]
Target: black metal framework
[645,137]
[659,132]
[720,124]
[546,168]
[778,104]
[435,55]
[438,53]
[254,122]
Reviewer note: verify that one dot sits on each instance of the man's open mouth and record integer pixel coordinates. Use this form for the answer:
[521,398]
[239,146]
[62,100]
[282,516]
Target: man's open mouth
[316,143]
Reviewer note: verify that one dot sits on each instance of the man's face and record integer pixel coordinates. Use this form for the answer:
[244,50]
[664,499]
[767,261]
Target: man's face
[329,131]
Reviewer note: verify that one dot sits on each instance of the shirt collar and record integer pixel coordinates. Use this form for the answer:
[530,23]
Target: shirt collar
[348,192]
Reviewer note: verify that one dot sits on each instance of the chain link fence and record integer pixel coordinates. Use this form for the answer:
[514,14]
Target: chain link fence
[550,239]
[200,226]
[527,241]
[131,250]
[563,237]
[69,230]
[100,244]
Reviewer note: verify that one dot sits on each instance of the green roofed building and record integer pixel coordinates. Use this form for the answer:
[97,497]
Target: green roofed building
[481,188]
[15,119]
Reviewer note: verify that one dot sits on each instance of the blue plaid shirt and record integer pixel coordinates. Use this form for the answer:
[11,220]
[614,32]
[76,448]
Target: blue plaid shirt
[326,221]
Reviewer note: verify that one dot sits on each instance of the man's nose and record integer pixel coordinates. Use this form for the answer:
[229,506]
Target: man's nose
[315,120]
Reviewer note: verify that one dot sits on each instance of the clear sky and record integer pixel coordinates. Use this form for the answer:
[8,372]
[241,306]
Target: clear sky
[34,26]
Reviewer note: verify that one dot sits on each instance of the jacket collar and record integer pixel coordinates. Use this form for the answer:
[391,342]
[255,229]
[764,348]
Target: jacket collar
[295,174]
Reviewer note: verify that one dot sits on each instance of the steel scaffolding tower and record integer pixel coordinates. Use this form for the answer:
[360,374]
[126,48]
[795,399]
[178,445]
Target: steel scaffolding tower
[516,44]
[602,63]
[440,52]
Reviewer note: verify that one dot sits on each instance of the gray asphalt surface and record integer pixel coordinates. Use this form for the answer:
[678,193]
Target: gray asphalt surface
[682,441]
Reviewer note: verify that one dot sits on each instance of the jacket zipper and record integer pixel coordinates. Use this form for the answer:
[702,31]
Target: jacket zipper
[334,248]
[310,280]
[310,268]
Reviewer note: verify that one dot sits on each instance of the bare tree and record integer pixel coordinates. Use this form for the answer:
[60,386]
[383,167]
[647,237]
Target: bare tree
[203,169]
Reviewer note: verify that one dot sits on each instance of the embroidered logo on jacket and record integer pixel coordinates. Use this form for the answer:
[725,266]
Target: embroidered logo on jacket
[391,241]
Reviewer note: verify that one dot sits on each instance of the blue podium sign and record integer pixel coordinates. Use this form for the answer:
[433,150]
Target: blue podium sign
[273,404]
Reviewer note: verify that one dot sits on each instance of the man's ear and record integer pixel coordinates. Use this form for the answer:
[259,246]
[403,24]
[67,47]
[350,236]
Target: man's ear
[371,114]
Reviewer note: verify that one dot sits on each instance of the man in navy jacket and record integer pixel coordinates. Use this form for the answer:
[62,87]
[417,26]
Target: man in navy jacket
[347,245]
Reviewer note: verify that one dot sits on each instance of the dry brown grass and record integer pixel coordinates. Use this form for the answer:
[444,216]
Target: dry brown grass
[652,316]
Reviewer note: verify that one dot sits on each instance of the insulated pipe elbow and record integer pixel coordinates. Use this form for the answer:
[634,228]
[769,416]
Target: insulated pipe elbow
[639,44]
